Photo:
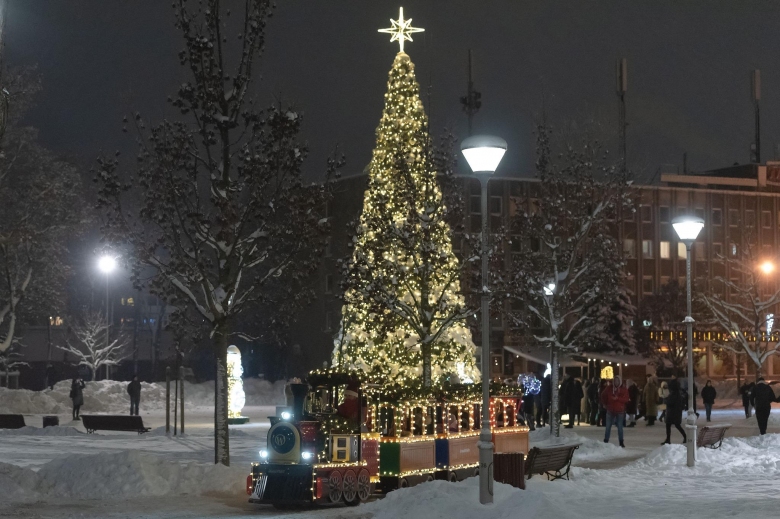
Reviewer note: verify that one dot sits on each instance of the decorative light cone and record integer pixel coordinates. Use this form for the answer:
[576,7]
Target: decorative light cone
[483,152]
[688,228]
[236,396]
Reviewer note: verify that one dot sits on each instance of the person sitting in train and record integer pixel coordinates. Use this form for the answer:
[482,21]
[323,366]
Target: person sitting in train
[453,423]
[350,407]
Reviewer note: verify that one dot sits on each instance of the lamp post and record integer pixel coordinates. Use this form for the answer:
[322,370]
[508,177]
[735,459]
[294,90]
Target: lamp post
[107,264]
[483,153]
[687,229]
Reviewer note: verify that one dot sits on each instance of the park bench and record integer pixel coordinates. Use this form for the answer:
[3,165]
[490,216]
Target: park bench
[711,436]
[11,421]
[553,461]
[109,422]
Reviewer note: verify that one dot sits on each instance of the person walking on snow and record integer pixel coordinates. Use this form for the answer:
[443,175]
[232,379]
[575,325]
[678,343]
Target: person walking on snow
[615,397]
[745,391]
[674,408]
[663,396]
[573,397]
[593,400]
[134,390]
[77,395]
[633,401]
[708,395]
[762,397]
[650,394]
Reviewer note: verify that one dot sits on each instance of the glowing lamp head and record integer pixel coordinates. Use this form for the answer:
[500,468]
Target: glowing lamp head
[286,415]
[483,152]
[264,454]
[767,267]
[306,456]
[107,264]
[688,228]
[549,289]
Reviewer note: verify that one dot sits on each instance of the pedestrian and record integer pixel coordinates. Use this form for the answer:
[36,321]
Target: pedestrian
[77,386]
[584,403]
[51,376]
[708,395]
[633,402]
[573,398]
[602,409]
[528,409]
[745,390]
[650,394]
[674,408]
[615,397]
[593,400]
[762,396]
[663,396]
[134,390]
[563,393]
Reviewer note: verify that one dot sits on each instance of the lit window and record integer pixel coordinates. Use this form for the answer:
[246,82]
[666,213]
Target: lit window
[665,250]
[647,249]
[130,301]
[55,321]
[629,248]
[682,252]
[733,250]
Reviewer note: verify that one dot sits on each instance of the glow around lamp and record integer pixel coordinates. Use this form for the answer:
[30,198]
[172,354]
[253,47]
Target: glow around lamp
[236,396]
[483,152]
[688,228]
[107,264]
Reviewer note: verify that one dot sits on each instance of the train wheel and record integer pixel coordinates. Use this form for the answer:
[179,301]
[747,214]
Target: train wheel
[402,483]
[429,479]
[452,477]
[350,487]
[335,486]
[364,485]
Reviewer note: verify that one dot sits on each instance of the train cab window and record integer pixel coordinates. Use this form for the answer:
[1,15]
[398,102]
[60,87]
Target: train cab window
[387,421]
[430,426]
[418,425]
[477,409]
[464,419]
[452,423]
[510,416]
[499,413]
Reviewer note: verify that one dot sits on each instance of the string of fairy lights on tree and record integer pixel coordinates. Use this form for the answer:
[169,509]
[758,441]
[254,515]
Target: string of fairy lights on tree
[403,304]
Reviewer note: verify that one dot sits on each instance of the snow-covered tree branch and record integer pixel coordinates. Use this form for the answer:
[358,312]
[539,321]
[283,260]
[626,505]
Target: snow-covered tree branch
[94,347]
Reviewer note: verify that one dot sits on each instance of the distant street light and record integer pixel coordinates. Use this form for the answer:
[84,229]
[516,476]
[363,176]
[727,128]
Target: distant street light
[688,229]
[483,153]
[767,267]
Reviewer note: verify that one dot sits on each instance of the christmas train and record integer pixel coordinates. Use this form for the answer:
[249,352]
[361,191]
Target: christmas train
[344,439]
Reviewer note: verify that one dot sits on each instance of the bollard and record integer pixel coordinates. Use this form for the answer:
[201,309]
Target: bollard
[181,376]
[167,400]
[175,404]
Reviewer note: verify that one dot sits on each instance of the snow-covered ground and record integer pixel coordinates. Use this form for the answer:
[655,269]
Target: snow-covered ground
[63,472]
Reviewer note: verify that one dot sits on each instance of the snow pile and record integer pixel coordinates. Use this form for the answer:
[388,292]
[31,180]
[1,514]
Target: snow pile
[590,450]
[46,431]
[118,475]
[110,396]
[444,500]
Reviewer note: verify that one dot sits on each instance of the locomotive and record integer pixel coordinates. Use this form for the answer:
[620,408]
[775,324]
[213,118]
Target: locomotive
[345,439]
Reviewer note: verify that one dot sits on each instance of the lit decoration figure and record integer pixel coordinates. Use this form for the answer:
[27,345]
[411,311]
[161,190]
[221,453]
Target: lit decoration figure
[236,396]
[607,373]
[404,317]
[529,383]
[401,30]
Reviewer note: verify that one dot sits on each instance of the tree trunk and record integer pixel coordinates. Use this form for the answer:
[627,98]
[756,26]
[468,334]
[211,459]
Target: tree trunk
[426,358]
[555,426]
[221,433]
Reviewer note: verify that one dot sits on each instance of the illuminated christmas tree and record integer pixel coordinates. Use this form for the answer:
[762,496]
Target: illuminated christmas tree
[404,317]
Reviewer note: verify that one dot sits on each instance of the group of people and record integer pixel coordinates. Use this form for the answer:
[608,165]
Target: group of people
[77,386]
[603,402]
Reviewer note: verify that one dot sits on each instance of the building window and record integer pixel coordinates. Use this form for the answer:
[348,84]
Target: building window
[55,321]
[698,251]
[647,284]
[495,205]
[665,280]
[717,217]
[476,204]
[682,252]
[733,250]
[629,216]
[327,210]
[699,211]
[629,248]
[717,249]
[733,218]
[329,283]
[766,219]
[665,250]
[647,213]
[750,218]
[328,251]
[515,245]
[647,249]
[664,214]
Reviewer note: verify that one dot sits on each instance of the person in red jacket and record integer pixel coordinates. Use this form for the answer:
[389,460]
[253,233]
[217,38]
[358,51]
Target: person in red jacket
[614,398]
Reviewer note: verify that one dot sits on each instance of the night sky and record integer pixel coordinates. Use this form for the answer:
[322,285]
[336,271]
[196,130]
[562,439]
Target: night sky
[689,65]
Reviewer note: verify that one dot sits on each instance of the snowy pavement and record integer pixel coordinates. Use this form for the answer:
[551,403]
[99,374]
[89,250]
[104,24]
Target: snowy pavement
[62,472]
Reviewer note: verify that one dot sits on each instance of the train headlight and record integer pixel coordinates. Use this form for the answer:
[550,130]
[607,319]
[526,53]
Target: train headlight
[306,456]
[286,415]
[264,454]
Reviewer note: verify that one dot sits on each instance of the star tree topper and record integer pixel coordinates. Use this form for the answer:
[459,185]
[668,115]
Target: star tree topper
[401,30]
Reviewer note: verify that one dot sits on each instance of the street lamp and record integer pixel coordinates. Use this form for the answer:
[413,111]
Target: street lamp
[767,267]
[483,153]
[107,264]
[688,228]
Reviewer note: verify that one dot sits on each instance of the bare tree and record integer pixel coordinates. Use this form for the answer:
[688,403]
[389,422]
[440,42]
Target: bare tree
[226,223]
[565,281]
[743,302]
[91,348]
